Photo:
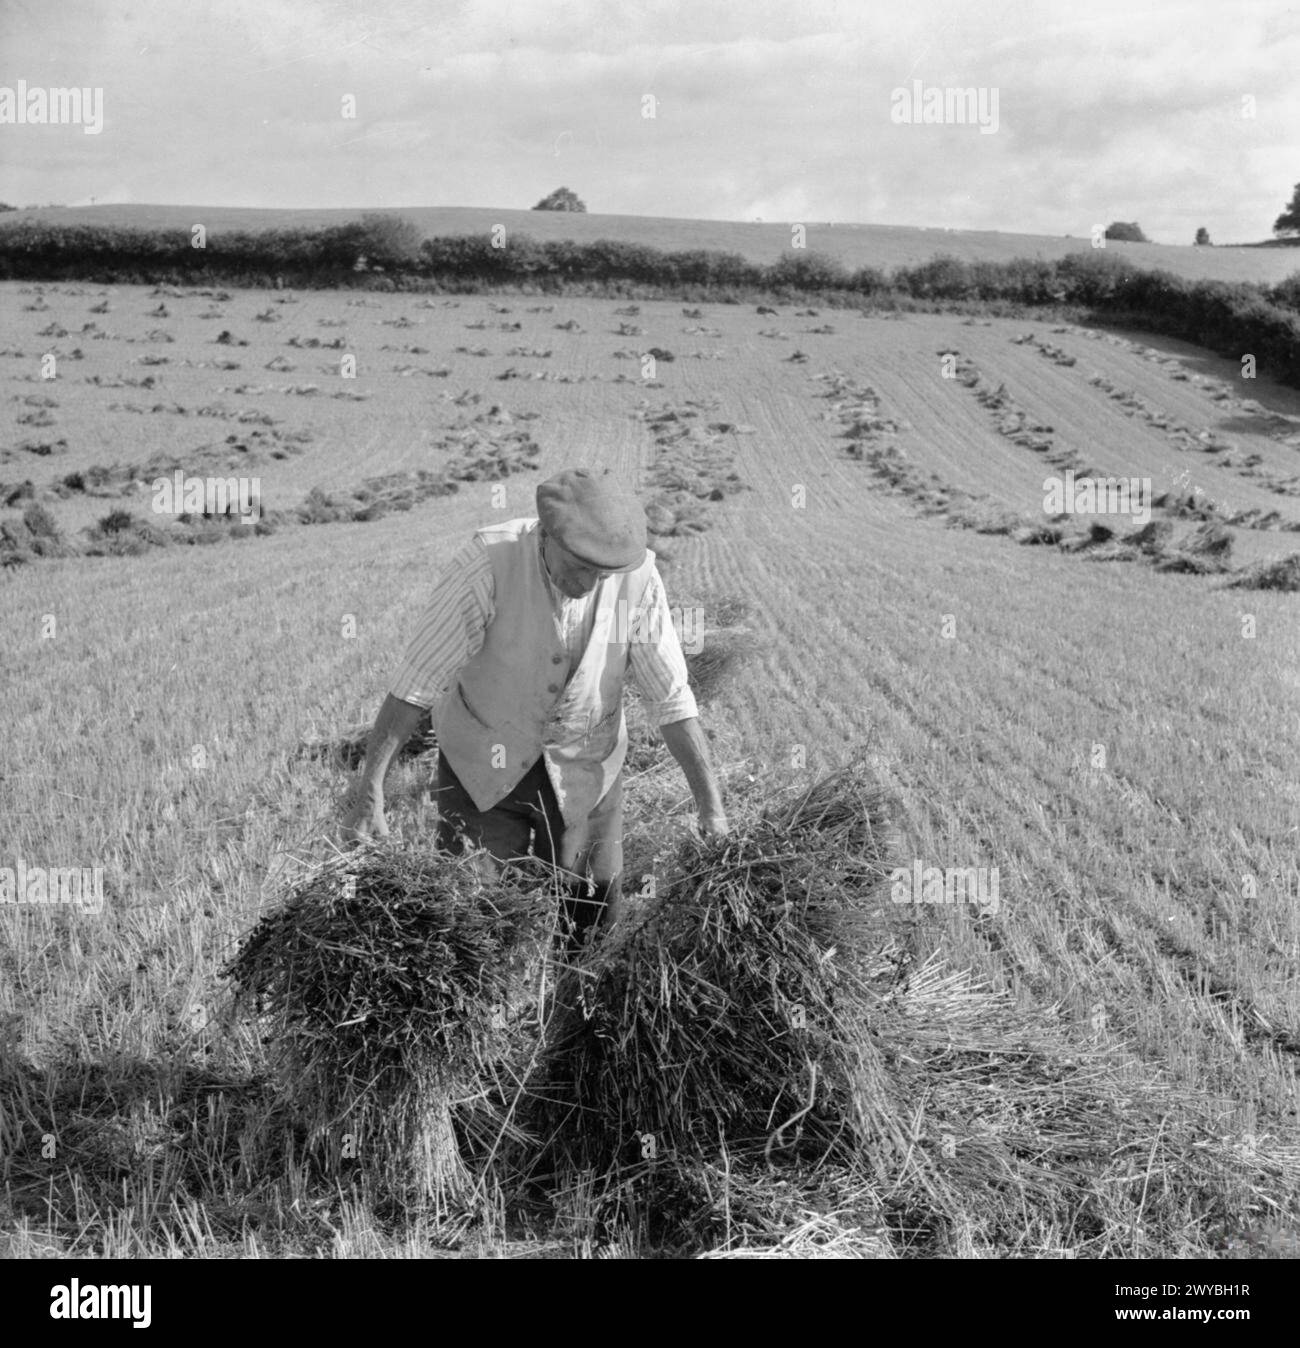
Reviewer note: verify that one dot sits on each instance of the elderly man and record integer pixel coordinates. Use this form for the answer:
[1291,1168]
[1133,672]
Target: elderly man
[532,630]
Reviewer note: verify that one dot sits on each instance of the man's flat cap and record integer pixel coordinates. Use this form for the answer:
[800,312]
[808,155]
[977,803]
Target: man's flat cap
[594,517]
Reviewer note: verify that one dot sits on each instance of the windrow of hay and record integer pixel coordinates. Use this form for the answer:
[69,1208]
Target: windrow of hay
[388,981]
[694,466]
[487,448]
[1279,575]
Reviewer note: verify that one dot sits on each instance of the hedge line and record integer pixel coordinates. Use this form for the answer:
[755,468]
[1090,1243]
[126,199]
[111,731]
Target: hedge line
[1233,319]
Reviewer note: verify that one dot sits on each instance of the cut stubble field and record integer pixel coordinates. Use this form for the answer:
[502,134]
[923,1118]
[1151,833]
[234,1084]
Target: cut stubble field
[1118,741]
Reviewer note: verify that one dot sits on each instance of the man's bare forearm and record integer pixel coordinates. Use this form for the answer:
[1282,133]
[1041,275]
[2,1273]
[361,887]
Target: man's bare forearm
[395,724]
[687,743]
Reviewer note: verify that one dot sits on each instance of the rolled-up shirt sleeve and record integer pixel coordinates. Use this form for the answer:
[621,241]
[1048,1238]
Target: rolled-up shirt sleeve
[450,631]
[658,665]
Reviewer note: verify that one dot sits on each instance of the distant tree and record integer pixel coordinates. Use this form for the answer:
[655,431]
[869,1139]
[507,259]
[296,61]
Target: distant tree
[5,206]
[1289,221]
[560,200]
[1126,233]
[1203,236]
[807,271]
[375,242]
[388,240]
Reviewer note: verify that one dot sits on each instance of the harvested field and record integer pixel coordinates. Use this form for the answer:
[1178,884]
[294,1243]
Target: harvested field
[1117,1040]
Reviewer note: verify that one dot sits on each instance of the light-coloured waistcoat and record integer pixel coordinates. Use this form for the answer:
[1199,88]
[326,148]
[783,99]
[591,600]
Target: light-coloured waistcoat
[510,704]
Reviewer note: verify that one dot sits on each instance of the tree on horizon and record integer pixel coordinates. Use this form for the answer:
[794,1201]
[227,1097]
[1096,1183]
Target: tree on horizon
[1126,231]
[560,200]
[1289,221]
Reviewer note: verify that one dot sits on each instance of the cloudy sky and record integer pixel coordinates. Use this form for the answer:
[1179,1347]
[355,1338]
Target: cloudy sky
[779,109]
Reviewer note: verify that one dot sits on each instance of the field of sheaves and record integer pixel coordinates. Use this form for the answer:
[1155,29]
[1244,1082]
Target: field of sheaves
[1106,735]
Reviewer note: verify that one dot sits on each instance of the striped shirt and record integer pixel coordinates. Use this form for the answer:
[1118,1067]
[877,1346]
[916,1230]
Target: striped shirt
[451,632]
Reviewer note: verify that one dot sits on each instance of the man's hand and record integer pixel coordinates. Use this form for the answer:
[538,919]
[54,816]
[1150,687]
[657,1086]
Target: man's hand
[364,814]
[688,744]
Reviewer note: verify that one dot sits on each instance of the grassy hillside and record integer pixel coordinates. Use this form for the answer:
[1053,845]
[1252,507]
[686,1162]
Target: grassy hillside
[883,246]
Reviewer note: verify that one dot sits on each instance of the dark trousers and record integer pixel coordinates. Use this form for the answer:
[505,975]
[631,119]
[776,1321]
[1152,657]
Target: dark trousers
[528,820]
